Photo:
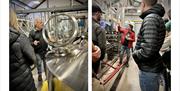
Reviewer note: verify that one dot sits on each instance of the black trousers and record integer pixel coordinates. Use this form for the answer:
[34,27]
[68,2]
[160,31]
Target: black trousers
[95,66]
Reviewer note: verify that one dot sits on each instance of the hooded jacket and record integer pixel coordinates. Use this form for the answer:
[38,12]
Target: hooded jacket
[21,57]
[150,39]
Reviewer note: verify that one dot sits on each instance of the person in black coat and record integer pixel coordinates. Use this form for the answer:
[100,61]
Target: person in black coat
[150,39]
[98,35]
[22,55]
[40,46]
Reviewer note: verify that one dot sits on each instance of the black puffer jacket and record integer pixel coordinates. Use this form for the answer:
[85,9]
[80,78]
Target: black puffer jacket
[150,40]
[21,57]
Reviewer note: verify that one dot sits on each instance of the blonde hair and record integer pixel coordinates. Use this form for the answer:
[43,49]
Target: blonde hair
[13,22]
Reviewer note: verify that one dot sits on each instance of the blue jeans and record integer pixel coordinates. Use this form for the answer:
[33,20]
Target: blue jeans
[39,65]
[150,81]
[122,50]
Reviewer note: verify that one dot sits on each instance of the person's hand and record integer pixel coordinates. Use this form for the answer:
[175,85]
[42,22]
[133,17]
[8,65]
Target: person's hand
[35,42]
[96,53]
[129,39]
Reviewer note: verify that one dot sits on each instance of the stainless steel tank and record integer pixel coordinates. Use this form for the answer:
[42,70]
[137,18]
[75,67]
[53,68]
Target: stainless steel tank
[67,60]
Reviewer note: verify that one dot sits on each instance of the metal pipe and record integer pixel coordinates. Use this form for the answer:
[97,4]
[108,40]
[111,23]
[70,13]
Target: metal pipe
[14,5]
[58,9]
[22,3]
[79,2]
[71,3]
[107,79]
[112,74]
[107,68]
[71,39]
[131,2]
[17,5]
[109,65]
[47,13]
[118,79]
[39,4]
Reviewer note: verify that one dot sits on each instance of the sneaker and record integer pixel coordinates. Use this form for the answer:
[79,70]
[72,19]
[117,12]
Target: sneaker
[39,77]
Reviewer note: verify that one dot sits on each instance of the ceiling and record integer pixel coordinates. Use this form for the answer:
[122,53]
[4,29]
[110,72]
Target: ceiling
[105,4]
[27,4]
[33,4]
[113,3]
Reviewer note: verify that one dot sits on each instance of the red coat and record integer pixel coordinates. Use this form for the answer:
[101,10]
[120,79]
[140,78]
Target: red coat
[124,32]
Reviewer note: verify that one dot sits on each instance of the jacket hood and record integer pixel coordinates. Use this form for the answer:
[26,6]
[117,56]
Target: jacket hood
[13,35]
[156,9]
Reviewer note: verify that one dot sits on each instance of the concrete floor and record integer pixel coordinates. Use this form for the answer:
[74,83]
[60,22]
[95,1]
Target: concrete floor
[128,82]
[35,76]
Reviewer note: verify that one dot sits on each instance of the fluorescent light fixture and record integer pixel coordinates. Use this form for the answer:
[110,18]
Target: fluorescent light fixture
[139,11]
[138,0]
[36,2]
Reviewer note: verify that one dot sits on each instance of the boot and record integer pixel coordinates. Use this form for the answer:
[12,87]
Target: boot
[39,77]
[127,65]
[120,62]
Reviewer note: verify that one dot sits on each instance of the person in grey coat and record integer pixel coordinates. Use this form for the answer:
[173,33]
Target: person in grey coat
[150,39]
[98,35]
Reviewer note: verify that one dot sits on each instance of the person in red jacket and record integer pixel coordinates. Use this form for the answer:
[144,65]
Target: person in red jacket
[127,39]
[131,28]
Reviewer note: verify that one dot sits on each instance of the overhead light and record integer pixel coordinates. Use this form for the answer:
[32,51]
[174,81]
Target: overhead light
[138,0]
[36,2]
[139,11]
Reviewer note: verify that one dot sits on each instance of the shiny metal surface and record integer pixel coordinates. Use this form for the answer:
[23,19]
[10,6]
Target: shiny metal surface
[68,59]
[72,68]
[61,30]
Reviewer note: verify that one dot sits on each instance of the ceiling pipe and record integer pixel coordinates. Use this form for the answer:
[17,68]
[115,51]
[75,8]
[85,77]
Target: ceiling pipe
[21,3]
[39,4]
[71,3]
[17,5]
[79,2]
[57,9]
